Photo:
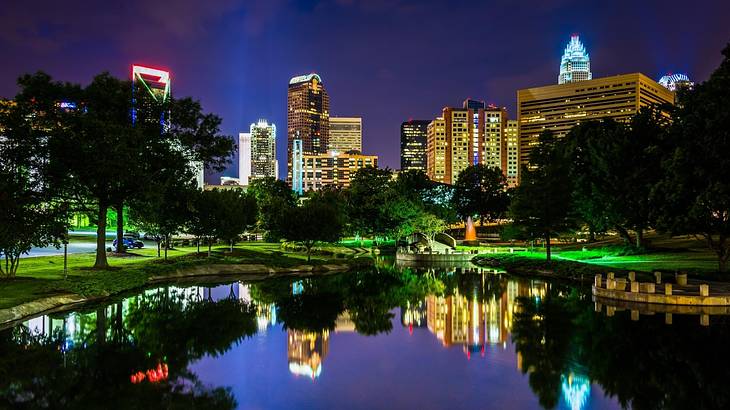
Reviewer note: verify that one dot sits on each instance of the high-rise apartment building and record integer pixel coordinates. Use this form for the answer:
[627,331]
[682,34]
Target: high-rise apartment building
[575,64]
[413,142]
[437,150]
[560,107]
[333,168]
[307,116]
[345,134]
[263,150]
[495,144]
[461,137]
[512,165]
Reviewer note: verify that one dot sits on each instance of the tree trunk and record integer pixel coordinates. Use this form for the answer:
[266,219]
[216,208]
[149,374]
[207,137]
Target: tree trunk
[547,247]
[639,237]
[167,245]
[209,246]
[101,262]
[120,228]
[231,246]
[309,254]
[158,247]
[723,254]
[624,234]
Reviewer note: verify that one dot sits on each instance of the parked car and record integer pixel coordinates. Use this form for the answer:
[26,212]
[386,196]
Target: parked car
[133,235]
[129,243]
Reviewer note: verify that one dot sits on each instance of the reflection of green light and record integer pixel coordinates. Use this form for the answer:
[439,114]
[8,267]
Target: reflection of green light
[576,389]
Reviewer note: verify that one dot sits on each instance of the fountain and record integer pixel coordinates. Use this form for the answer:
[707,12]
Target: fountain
[471,232]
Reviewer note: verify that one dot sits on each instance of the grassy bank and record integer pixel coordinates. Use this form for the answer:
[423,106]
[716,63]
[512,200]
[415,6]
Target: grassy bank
[40,277]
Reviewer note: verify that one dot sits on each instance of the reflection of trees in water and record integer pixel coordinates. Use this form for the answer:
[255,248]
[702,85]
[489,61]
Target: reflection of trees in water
[645,364]
[40,371]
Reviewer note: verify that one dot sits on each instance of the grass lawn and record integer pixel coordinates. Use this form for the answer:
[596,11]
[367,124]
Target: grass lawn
[43,276]
[664,253]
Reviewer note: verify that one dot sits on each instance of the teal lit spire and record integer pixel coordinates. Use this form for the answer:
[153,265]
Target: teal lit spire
[575,64]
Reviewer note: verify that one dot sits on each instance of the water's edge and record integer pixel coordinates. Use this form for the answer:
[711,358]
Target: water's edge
[9,317]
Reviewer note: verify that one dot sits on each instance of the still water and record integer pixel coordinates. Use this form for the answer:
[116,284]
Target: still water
[461,338]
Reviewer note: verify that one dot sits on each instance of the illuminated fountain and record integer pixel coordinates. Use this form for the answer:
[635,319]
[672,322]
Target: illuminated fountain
[471,232]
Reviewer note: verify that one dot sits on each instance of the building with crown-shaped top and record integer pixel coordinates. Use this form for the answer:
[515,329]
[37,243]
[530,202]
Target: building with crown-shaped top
[575,64]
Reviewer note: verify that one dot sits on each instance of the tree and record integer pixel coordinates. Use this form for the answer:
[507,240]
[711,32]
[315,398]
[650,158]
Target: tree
[236,213]
[614,168]
[27,219]
[480,191]
[429,225]
[103,159]
[29,214]
[165,209]
[369,190]
[312,222]
[694,195]
[541,204]
[273,199]
[204,221]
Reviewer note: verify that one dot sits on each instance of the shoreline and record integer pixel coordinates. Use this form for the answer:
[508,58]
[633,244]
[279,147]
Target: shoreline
[11,316]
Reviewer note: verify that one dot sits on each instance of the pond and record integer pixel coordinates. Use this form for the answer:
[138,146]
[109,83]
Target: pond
[457,338]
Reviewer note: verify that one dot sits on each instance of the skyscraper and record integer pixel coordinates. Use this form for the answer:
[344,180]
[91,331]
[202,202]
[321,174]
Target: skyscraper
[560,107]
[413,136]
[307,116]
[334,169]
[674,81]
[461,137]
[511,135]
[157,83]
[244,158]
[263,150]
[345,134]
[575,64]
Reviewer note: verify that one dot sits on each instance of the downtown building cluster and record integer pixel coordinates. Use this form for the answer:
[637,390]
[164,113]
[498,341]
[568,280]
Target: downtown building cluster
[479,133]
[321,150]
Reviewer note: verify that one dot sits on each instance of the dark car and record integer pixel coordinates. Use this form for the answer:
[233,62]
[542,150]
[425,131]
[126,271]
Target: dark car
[129,243]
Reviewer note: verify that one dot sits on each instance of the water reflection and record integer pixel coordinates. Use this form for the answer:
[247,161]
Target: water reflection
[149,348]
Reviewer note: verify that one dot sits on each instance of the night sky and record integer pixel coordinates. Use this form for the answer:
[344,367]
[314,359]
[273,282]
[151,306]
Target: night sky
[386,61]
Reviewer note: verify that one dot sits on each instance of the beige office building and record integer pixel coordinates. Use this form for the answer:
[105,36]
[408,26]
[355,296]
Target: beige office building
[345,134]
[333,168]
[510,162]
[560,107]
[436,150]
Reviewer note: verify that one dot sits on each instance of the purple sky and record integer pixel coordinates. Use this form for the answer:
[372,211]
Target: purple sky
[386,61]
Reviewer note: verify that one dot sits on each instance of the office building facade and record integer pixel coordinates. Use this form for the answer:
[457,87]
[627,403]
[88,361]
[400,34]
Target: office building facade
[345,134]
[333,168]
[560,107]
[263,150]
[511,166]
[461,137]
[244,158]
[307,116]
[413,143]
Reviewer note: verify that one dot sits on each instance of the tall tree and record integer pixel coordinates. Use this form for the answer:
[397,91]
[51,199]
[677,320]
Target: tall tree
[273,199]
[541,204]
[369,190]
[236,213]
[315,221]
[694,196]
[480,191]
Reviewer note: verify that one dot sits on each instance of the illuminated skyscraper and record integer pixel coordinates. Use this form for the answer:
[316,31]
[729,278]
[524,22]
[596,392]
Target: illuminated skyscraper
[511,135]
[413,139]
[263,150]
[307,116]
[674,81]
[345,134]
[575,64]
[244,158]
[461,137]
[157,83]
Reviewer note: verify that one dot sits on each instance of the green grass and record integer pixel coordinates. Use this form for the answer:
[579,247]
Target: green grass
[39,277]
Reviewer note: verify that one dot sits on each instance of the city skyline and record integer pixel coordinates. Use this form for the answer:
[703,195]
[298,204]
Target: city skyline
[205,49]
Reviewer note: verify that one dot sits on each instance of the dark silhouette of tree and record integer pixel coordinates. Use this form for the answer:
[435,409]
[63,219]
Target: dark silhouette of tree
[480,191]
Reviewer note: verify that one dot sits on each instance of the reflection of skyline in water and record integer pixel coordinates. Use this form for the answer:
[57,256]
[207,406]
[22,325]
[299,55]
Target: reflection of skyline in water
[474,312]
